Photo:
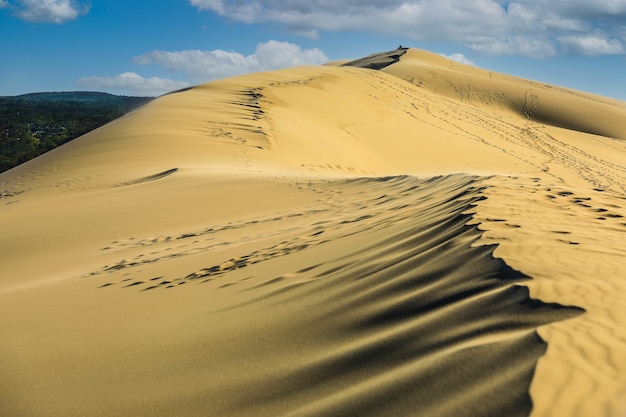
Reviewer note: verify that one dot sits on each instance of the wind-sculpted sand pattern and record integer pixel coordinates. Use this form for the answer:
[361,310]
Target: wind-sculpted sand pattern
[324,241]
[411,319]
[571,240]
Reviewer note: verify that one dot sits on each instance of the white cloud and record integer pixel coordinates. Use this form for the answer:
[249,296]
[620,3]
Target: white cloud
[274,54]
[530,46]
[53,11]
[589,9]
[458,57]
[133,84]
[592,45]
[535,28]
[203,66]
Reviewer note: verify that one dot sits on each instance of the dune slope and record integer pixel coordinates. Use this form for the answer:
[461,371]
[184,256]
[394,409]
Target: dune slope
[399,235]
[322,316]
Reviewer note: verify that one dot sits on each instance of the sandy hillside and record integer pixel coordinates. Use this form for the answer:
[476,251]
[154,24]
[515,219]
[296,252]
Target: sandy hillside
[396,235]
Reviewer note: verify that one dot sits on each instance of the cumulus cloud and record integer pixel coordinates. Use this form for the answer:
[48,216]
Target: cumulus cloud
[529,46]
[133,84]
[53,11]
[535,28]
[592,45]
[203,66]
[458,57]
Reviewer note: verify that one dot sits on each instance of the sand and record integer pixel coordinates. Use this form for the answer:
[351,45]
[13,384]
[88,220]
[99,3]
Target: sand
[397,235]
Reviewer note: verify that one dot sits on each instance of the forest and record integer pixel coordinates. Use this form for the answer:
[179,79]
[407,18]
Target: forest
[35,123]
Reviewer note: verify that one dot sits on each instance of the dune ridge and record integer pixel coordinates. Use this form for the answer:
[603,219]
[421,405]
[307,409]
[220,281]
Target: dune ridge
[544,103]
[329,240]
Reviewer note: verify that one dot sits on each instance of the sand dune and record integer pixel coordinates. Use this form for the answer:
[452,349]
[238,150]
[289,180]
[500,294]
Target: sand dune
[543,103]
[397,235]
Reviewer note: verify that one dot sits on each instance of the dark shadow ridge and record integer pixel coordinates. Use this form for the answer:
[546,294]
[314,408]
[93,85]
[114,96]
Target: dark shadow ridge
[152,177]
[387,308]
[419,322]
[379,60]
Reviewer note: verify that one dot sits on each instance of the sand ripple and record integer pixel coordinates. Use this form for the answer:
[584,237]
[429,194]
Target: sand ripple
[384,308]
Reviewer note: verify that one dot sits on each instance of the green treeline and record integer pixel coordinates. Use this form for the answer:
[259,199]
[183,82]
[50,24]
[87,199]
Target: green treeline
[32,124]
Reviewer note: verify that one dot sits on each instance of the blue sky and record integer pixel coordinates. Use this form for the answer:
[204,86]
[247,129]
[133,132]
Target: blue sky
[140,47]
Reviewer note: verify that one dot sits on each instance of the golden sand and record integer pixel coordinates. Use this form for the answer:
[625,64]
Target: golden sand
[423,238]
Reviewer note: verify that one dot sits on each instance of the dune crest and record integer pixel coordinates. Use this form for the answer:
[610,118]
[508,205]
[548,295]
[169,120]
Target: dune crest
[540,102]
[400,235]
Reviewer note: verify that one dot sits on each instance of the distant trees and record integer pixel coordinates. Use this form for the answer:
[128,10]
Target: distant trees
[33,124]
